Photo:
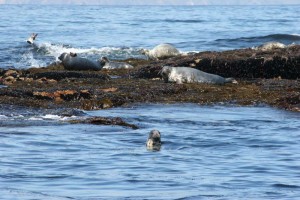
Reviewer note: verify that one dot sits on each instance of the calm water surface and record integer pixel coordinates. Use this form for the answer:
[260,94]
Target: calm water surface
[213,152]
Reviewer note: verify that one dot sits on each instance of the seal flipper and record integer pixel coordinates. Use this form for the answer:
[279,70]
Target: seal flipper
[32,38]
[230,80]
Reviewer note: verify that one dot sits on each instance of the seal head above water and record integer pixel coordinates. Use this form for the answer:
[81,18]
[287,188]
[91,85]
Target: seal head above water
[190,75]
[71,61]
[107,64]
[161,51]
[154,140]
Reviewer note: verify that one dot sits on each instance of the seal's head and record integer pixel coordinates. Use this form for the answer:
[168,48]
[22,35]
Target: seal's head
[63,56]
[165,72]
[103,61]
[154,140]
[73,54]
[32,38]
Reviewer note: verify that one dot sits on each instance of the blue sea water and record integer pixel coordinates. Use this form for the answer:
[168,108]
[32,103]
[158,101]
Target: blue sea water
[209,152]
[119,32]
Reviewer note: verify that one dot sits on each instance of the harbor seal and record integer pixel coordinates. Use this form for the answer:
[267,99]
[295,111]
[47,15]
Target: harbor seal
[107,64]
[190,75]
[154,140]
[161,51]
[71,61]
[32,37]
[270,46]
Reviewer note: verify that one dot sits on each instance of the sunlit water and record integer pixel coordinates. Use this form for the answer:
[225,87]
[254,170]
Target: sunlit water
[208,152]
[120,32]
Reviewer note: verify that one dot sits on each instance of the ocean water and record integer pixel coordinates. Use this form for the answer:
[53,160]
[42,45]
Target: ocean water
[119,32]
[208,152]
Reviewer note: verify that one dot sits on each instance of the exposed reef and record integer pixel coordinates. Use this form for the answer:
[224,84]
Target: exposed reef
[267,77]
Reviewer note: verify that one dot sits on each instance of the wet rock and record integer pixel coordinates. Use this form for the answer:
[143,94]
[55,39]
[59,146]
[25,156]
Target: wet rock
[62,95]
[12,73]
[9,80]
[44,80]
[59,75]
[104,121]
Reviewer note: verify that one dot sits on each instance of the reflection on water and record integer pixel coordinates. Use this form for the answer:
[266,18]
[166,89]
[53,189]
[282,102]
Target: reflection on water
[213,152]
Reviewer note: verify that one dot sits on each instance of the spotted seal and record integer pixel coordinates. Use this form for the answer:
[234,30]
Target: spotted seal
[161,51]
[71,61]
[191,75]
[107,64]
[154,140]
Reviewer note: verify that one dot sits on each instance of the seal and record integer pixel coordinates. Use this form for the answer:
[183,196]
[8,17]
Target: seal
[73,54]
[161,51]
[190,75]
[32,37]
[270,46]
[107,64]
[71,61]
[154,140]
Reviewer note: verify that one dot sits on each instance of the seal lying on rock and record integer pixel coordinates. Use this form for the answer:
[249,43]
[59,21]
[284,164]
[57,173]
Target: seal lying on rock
[191,75]
[107,64]
[154,140]
[71,61]
[32,38]
[161,51]
[270,46]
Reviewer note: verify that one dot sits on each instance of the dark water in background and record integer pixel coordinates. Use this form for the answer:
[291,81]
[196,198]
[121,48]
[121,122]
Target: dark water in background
[120,32]
[209,152]
[214,152]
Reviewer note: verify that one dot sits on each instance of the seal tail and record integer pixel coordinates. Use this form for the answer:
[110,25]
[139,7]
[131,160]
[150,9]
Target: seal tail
[230,80]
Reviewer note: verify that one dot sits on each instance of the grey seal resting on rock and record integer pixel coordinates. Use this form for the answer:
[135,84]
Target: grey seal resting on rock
[270,46]
[191,75]
[154,140]
[32,37]
[71,61]
[161,51]
[107,64]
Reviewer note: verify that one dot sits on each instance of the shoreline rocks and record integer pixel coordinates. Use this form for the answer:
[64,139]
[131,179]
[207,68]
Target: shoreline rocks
[268,77]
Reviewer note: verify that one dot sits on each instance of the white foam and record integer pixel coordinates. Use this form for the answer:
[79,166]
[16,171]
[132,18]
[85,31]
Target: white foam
[56,50]
[31,61]
[51,117]
[2,117]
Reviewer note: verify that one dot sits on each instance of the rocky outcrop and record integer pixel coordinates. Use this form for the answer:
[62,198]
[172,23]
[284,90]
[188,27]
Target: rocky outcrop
[242,63]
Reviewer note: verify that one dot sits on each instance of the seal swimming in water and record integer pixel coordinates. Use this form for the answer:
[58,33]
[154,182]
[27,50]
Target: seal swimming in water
[32,38]
[161,51]
[71,61]
[107,64]
[154,140]
[191,75]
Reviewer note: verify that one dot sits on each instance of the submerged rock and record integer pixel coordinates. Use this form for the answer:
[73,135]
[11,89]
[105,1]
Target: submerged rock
[104,121]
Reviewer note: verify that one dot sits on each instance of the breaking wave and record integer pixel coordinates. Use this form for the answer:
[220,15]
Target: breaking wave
[43,54]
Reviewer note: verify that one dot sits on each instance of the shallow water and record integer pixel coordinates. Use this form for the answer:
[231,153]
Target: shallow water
[209,152]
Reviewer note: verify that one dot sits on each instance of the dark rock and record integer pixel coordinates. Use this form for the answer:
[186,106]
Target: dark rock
[104,121]
[59,75]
